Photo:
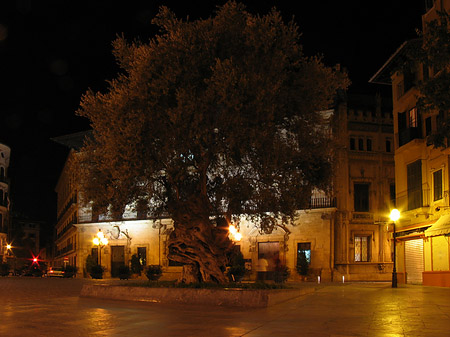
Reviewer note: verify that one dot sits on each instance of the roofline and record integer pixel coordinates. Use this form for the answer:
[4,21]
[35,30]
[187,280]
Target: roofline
[385,65]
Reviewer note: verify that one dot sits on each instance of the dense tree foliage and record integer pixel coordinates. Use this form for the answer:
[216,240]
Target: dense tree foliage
[434,56]
[210,119]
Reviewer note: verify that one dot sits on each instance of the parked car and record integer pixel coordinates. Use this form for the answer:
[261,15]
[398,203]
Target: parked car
[56,272]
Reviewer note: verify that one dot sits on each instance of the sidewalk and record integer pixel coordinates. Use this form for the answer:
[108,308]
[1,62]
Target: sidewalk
[350,309]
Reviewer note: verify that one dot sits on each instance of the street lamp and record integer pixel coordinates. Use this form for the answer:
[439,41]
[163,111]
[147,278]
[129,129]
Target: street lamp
[100,241]
[235,235]
[395,215]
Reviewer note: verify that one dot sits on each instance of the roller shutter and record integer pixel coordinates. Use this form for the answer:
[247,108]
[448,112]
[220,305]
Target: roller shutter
[414,261]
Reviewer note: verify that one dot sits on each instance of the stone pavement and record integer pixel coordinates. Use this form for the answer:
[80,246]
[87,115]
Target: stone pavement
[51,307]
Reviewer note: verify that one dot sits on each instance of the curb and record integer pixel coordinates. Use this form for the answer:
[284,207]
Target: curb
[247,298]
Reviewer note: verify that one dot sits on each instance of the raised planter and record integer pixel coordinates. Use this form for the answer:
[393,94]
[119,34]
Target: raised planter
[222,297]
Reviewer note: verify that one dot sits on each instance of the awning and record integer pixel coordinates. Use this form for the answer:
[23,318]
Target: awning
[440,227]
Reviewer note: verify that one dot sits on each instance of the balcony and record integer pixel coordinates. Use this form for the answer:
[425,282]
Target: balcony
[322,202]
[65,250]
[407,135]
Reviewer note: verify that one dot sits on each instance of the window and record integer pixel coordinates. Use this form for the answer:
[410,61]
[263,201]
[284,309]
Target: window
[142,255]
[388,145]
[369,144]
[361,197]
[352,144]
[408,80]
[400,90]
[414,184]
[401,120]
[304,248]
[437,185]
[361,144]
[413,120]
[392,194]
[362,248]
[2,173]
[427,126]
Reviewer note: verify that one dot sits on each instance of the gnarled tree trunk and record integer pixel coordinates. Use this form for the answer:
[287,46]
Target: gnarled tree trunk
[197,243]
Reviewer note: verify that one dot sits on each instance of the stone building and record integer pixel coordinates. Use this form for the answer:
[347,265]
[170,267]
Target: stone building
[421,171]
[342,234]
[5,153]
[363,186]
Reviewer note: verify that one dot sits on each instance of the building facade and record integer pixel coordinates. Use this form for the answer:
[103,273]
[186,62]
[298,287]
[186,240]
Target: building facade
[5,153]
[343,234]
[421,172]
[364,187]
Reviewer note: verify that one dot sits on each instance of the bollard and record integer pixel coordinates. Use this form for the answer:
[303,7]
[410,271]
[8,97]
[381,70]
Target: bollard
[343,279]
[318,279]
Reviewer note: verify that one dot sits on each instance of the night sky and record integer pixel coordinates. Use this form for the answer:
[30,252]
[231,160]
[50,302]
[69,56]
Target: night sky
[51,52]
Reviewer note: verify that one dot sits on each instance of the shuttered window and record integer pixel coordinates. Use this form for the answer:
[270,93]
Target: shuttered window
[437,185]
[362,248]
[414,181]
[414,261]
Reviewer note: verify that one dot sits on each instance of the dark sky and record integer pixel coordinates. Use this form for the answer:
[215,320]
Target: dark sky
[51,52]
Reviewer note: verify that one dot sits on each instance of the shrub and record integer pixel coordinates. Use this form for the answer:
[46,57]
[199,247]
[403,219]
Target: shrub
[97,271]
[124,272]
[302,264]
[90,263]
[4,269]
[236,270]
[136,267]
[153,272]
[70,271]
[281,273]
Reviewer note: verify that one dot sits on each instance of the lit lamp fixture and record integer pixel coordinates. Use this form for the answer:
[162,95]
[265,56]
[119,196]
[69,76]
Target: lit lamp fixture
[100,241]
[394,216]
[235,235]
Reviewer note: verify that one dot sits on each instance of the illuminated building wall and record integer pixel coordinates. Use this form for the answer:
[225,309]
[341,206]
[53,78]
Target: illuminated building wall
[421,173]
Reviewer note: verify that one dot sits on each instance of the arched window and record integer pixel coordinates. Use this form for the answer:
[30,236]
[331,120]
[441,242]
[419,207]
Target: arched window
[2,173]
[1,197]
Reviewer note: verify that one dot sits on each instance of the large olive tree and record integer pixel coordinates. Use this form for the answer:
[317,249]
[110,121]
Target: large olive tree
[210,119]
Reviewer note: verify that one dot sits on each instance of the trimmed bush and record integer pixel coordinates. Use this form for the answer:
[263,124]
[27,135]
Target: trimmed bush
[153,272]
[70,271]
[281,273]
[302,264]
[4,269]
[236,270]
[124,272]
[136,267]
[97,271]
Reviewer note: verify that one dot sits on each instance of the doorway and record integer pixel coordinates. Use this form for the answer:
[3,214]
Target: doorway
[117,259]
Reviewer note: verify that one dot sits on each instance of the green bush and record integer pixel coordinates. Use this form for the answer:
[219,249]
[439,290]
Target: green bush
[124,272]
[70,271]
[90,263]
[281,273]
[302,264]
[136,267]
[153,272]
[236,270]
[97,271]
[4,269]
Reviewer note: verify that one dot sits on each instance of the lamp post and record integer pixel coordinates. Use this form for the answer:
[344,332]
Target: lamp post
[235,235]
[395,215]
[100,241]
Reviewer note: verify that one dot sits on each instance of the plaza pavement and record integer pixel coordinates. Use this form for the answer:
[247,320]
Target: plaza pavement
[51,307]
